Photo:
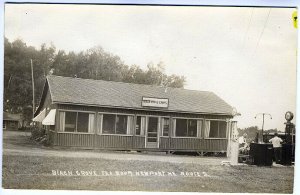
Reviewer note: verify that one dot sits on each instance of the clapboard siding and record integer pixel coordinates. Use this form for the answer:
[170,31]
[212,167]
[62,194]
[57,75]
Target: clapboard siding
[135,142]
[75,140]
[185,143]
[138,142]
[213,145]
[119,141]
[164,143]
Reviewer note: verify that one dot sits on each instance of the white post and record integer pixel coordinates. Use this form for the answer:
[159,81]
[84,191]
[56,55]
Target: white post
[234,154]
[228,133]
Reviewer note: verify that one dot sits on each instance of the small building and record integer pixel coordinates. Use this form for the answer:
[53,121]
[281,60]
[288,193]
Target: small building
[11,122]
[101,114]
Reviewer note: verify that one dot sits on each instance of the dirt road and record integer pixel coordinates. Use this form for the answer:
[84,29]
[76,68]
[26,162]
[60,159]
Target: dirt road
[30,166]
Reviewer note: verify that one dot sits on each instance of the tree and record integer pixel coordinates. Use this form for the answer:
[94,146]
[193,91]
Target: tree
[94,63]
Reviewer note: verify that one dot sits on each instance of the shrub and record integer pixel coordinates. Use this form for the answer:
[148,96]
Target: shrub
[37,133]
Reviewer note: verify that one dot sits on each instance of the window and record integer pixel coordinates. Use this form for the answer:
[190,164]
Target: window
[192,128]
[166,127]
[181,127]
[117,124]
[140,125]
[186,128]
[77,122]
[70,121]
[83,122]
[121,124]
[4,124]
[108,123]
[217,129]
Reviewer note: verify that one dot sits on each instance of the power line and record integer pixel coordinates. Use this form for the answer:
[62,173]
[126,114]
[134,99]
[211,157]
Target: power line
[262,32]
[246,34]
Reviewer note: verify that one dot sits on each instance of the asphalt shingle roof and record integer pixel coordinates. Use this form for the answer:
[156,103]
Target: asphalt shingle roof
[128,95]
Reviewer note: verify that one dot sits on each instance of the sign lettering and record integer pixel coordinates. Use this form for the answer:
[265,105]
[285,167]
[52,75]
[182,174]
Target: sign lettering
[155,102]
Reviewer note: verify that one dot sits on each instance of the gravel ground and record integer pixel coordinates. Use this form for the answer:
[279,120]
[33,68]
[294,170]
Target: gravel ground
[37,172]
[29,166]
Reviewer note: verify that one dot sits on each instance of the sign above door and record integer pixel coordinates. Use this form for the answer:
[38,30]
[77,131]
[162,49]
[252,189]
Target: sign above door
[155,102]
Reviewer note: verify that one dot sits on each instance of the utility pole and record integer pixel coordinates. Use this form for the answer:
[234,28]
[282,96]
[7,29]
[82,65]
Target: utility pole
[33,99]
[263,123]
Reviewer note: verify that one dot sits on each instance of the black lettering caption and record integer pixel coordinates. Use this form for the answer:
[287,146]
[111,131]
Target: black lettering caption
[129,173]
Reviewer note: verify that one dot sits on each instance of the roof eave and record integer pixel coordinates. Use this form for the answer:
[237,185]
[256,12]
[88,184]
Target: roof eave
[144,109]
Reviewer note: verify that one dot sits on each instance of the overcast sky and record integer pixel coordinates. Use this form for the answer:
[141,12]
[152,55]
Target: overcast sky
[247,56]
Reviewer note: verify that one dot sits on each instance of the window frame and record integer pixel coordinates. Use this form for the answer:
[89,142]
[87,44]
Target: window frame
[188,118]
[99,129]
[162,120]
[76,111]
[75,130]
[114,125]
[146,124]
[226,134]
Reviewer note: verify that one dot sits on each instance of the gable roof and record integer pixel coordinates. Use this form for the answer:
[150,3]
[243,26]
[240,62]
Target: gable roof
[79,91]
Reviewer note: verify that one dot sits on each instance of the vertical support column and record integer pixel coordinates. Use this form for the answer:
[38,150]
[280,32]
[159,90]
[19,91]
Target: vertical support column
[228,134]
[159,129]
[146,130]
[134,137]
[203,129]
[170,133]
[57,125]
[95,129]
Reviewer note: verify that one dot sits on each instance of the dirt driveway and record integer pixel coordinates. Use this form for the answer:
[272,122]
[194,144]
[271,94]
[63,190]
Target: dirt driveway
[30,166]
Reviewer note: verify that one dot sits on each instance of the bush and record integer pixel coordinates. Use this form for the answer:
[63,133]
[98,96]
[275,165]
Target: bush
[37,133]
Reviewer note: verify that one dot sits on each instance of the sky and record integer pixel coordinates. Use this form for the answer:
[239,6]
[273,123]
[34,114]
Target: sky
[245,55]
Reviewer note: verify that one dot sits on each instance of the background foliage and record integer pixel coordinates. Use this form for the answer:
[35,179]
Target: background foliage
[94,63]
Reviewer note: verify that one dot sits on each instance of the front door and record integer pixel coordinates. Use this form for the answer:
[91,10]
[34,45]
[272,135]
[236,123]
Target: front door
[152,135]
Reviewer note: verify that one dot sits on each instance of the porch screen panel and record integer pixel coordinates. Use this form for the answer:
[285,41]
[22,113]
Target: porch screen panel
[222,129]
[174,127]
[218,129]
[91,123]
[99,123]
[199,128]
[129,125]
[214,129]
[165,126]
[161,126]
[121,124]
[192,128]
[62,121]
[143,125]
[109,121]
[83,122]
[138,125]
[70,121]
[181,127]
[207,129]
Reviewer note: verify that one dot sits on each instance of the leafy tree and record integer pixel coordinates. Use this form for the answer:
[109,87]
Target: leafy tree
[94,63]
